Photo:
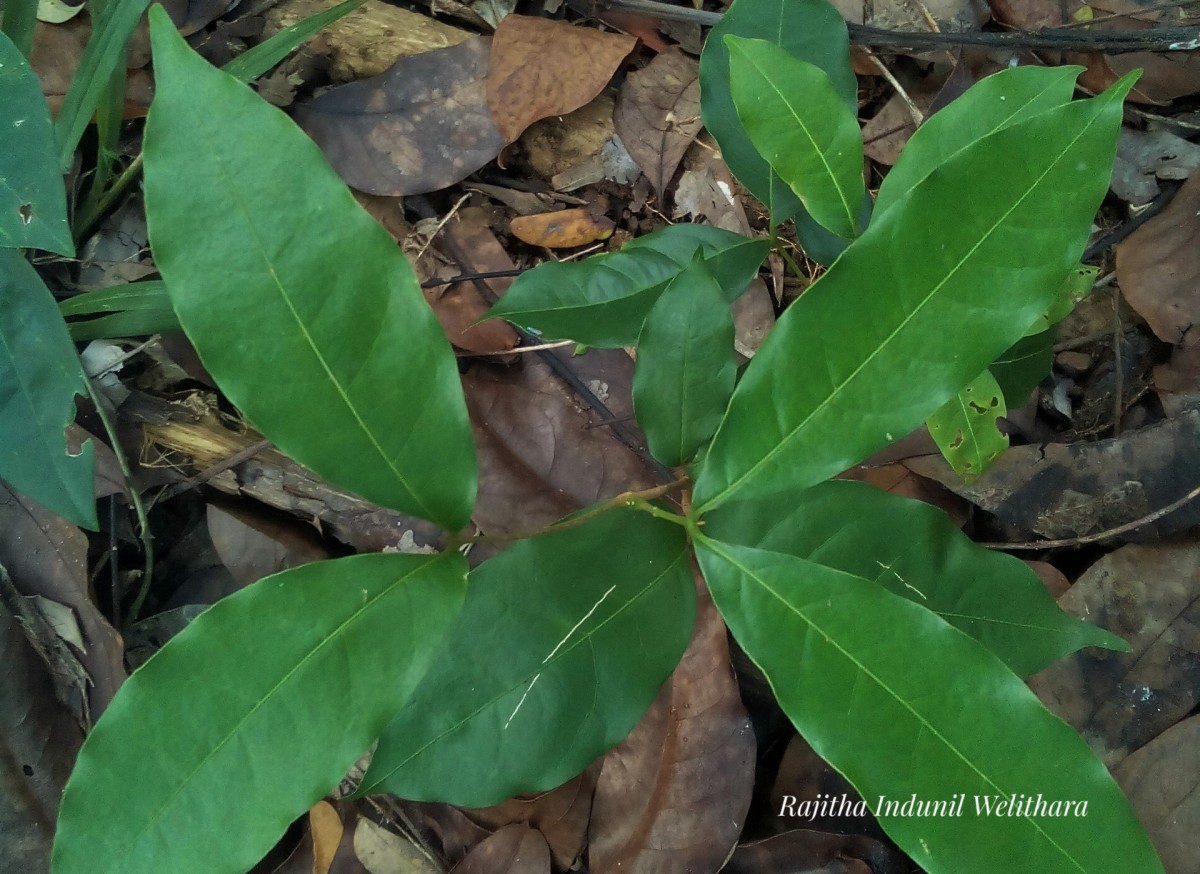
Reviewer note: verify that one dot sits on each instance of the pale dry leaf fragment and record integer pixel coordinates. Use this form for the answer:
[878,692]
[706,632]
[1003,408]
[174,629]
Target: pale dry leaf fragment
[1143,157]
[421,126]
[541,68]
[706,190]
[384,852]
[562,229]
[658,115]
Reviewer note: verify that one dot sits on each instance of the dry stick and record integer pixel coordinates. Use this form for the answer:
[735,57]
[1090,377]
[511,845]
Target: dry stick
[1100,535]
[212,470]
[918,117]
[1157,39]
[1118,366]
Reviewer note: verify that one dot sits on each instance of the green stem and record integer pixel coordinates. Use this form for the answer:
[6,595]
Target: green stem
[790,261]
[93,210]
[658,512]
[138,507]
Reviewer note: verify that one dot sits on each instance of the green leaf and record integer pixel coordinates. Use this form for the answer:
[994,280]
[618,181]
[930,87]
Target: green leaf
[40,376]
[252,713]
[966,428]
[559,650]
[256,61]
[104,51]
[811,30]
[1023,366]
[914,551]
[133,309]
[797,121]
[33,202]
[604,300]
[993,103]
[934,291]
[905,706]
[19,21]
[298,302]
[686,366]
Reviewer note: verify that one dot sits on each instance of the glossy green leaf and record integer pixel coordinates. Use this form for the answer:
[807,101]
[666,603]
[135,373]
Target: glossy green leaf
[1026,363]
[604,300]
[991,104]
[33,202]
[795,118]
[1077,285]
[811,30]
[686,366]
[18,20]
[908,707]
[105,49]
[967,429]
[133,309]
[914,551]
[935,290]
[299,303]
[252,713]
[561,646]
[40,376]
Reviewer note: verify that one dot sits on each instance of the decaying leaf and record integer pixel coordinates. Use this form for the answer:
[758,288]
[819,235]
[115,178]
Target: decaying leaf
[253,544]
[419,127]
[1144,157]
[673,796]
[385,852]
[658,114]
[562,229]
[514,849]
[1150,595]
[541,68]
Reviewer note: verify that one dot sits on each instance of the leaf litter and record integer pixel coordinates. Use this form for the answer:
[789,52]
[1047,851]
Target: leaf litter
[446,105]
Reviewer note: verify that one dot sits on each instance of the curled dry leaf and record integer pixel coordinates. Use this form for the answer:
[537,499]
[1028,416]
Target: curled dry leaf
[1150,595]
[514,849]
[658,114]
[562,229]
[674,795]
[419,127]
[541,68]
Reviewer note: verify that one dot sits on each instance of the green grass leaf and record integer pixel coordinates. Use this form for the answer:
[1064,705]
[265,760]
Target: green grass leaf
[33,202]
[686,366]
[811,30]
[132,309]
[913,550]
[604,300]
[559,650]
[795,118]
[251,714]
[966,428]
[299,303]
[934,291]
[993,103]
[40,376]
[256,61]
[905,705]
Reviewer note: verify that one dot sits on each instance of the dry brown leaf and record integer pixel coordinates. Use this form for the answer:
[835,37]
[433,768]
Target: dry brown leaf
[371,38]
[555,145]
[706,189]
[253,544]
[1144,157]
[658,115]
[1162,781]
[514,849]
[327,830]
[1149,595]
[458,307]
[674,795]
[385,852]
[46,555]
[419,127]
[540,68]
[562,229]
[811,852]
[753,318]
[57,49]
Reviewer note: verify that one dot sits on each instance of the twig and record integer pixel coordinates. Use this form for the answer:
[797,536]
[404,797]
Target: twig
[1100,535]
[914,112]
[213,470]
[471,277]
[1157,39]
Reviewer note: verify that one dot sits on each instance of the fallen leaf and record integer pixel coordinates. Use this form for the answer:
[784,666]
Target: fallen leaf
[562,229]
[674,795]
[753,318]
[658,115]
[253,544]
[555,145]
[811,852]
[514,849]
[1144,157]
[371,38]
[541,67]
[419,127]
[706,190]
[1161,781]
[1150,595]
[385,852]
[326,829]
[57,50]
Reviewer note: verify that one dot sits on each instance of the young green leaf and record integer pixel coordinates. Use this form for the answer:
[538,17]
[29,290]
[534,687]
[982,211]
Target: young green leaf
[294,332]
[559,650]
[811,30]
[991,104]
[913,550]
[252,713]
[797,121]
[686,366]
[966,428]
[604,300]
[129,310]
[908,707]
[40,376]
[33,202]
[910,312]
